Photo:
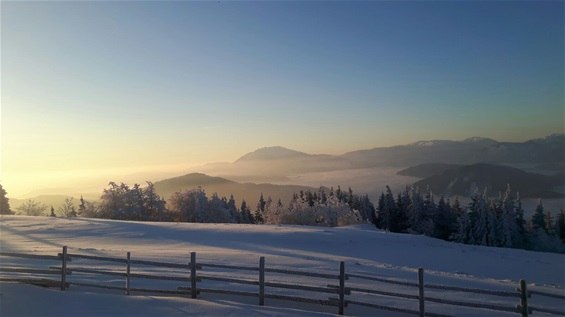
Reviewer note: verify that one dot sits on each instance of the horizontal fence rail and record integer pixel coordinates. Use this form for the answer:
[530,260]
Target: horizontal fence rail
[192,272]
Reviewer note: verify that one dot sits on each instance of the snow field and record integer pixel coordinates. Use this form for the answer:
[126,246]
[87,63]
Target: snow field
[364,249]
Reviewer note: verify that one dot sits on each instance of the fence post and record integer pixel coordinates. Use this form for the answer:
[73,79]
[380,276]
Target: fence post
[193,274]
[262,281]
[64,269]
[523,298]
[341,287]
[421,291]
[128,265]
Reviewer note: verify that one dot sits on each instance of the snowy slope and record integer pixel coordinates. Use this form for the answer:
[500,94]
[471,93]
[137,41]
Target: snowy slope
[363,248]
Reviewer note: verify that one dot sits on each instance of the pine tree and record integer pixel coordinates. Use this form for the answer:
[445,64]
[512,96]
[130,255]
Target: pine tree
[52,212]
[561,225]
[510,235]
[81,206]
[445,221]
[538,218]
[260,210]
[4,202]
[246,216]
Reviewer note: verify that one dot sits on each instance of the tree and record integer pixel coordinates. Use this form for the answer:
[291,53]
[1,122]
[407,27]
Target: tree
[32,208]
[538,218]
[561,225]
[190,205]
[68,208]
[52,212]
[445,221]
[4,202]
[246,216]
[260,210]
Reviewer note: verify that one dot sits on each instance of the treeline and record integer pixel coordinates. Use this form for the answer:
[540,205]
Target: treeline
[498,222]
[323,207]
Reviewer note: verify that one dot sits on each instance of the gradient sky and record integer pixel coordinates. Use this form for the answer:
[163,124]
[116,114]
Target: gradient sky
[122,87]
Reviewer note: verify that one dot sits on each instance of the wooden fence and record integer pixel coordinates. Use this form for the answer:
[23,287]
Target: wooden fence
[190,275]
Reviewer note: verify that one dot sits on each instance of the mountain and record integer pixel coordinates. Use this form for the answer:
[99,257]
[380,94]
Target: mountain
[272,153]
[426,170]
[224,187]
[460,181]
[470,151]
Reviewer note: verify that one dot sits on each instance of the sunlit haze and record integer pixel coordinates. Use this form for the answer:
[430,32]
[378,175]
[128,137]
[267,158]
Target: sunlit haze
[94,91]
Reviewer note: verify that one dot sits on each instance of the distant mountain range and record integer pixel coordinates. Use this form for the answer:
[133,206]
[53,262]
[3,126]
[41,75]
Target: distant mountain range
[459,180]
[277,163]
[442,164]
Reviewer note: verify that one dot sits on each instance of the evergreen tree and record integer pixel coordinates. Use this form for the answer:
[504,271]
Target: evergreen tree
[260,210]
[510,235]
[232,208]
[538,218]
[4,202]
[81,206]
[246,216]
[399,214]
[561,225]
[52,212]
[445,221]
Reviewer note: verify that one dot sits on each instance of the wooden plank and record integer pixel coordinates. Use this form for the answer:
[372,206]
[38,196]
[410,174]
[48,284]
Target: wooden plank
[31,256]
[161,264]
[303,287]
[523,298]
[384,293]
[378,279]
[474,290]
[547,310]
[34,281]
[262,281]
[221,291]
[102,272]
[395,309]
[302,273]
[383,307]
[94,257]
[475,305]
[161,277]
[341,289]
[64,268]
[231,267]
[160,291]
[534,292]
[302,299]
[227,279]
[128,271]
[421,303]
[32,271]
[97,285]
[193,274]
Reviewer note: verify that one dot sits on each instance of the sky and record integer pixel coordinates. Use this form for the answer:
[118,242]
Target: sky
[113,88]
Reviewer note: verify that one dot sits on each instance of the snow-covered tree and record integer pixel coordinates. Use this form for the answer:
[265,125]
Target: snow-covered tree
[32,208]
[4,202]
[538,218]
[68,208]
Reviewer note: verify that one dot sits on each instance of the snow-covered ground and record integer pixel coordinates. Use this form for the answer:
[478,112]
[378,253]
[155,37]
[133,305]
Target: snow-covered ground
[364,249]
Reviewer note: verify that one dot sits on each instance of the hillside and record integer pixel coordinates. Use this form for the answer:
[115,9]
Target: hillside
[459,181]
[426,170]
[224,187]
[364,249]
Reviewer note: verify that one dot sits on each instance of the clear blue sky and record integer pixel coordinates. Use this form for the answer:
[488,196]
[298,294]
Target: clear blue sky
[110,85]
